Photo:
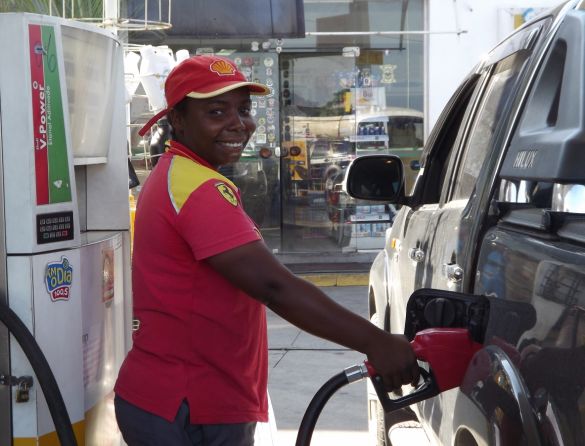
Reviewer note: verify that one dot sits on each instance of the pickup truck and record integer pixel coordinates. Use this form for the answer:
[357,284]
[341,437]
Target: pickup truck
[497,212]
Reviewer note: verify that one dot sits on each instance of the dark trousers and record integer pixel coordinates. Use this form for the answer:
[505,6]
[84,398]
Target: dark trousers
[141,428]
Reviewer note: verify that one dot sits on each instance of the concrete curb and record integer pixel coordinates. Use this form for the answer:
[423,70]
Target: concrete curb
[332,279]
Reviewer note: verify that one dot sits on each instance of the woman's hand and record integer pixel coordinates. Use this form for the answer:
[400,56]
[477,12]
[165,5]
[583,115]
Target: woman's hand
[394,360]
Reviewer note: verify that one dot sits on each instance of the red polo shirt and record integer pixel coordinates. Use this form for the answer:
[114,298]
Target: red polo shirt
[199,337]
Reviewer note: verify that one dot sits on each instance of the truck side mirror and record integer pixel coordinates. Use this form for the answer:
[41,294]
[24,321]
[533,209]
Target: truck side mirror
[375,177]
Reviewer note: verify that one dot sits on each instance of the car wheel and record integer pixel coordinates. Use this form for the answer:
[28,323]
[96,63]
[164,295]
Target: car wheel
[379,422]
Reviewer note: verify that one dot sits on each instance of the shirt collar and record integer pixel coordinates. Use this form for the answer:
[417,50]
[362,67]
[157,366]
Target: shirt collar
[177,148]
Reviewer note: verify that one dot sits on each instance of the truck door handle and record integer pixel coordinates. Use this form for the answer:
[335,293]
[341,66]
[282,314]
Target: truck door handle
[416,254]
[453,272]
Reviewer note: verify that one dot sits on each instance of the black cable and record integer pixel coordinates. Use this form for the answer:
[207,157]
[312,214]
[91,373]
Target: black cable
[316,406]
[43,372]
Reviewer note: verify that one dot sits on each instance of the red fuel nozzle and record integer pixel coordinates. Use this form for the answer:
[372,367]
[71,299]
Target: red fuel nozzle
[448,352]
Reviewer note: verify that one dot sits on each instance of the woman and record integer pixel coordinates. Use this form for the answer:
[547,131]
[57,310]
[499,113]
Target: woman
[197,371]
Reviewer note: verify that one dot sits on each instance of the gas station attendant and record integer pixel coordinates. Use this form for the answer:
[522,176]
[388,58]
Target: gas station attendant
[202,276]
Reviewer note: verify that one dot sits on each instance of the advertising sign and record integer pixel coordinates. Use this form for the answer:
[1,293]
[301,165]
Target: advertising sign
[50,144]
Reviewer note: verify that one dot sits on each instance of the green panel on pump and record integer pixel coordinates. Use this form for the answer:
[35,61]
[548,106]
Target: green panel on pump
[50,146]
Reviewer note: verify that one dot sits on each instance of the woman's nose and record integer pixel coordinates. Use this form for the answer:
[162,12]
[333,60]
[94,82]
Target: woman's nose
[237,121]
[240,123]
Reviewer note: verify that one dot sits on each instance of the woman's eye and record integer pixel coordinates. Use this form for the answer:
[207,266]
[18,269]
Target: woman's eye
[215,112]
[246,111]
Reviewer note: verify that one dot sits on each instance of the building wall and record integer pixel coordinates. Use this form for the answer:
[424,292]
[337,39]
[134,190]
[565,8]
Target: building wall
[451,56]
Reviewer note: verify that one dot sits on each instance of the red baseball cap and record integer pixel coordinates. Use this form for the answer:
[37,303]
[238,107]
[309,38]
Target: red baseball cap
[202,77]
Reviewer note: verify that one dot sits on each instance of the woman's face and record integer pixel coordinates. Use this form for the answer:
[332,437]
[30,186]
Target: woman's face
[217,129]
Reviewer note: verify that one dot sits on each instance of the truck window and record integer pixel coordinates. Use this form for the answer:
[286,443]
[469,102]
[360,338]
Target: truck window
[505,75]
[405,131]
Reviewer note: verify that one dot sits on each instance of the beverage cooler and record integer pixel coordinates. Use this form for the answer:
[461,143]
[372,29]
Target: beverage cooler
[64,228]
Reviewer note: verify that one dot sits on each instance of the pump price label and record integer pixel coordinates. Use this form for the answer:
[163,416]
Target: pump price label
[50,144]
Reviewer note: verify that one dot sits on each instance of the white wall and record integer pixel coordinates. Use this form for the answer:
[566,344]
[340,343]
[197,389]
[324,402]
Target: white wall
[451,56]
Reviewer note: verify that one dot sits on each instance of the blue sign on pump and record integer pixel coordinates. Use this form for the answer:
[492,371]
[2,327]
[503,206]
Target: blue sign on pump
[58,279]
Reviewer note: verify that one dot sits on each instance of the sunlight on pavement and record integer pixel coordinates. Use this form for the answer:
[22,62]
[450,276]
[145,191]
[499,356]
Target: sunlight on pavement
[326,438]
[408,435]
[400,436]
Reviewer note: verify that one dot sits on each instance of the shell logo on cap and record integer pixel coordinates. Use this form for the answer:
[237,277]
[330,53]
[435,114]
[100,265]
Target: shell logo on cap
[222,68]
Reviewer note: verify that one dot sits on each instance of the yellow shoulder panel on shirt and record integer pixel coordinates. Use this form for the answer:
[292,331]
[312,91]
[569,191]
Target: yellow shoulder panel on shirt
[185,176]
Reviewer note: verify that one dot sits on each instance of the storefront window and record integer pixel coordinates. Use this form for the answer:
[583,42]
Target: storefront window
[318,115]
[335,108]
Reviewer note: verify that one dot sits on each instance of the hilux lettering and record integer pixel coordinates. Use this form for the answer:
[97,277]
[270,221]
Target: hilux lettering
[525,159]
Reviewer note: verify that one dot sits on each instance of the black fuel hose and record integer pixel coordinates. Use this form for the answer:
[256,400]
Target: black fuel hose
[349,375]
[316,406]
[43,373]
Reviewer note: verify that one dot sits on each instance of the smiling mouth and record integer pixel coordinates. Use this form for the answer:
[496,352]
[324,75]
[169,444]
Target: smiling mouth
[233,145]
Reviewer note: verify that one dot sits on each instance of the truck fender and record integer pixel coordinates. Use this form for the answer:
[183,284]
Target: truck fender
[495,387]
[377,298]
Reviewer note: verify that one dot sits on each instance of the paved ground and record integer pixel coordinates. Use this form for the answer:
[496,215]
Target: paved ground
[301,363]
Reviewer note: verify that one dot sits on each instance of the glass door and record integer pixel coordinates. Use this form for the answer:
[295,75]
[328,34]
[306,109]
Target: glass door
[318,122]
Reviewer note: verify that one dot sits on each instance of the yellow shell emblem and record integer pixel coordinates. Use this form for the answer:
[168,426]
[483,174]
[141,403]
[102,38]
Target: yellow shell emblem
[227,193]
[222,68]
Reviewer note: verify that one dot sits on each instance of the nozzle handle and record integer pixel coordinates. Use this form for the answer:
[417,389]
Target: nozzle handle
[426,389]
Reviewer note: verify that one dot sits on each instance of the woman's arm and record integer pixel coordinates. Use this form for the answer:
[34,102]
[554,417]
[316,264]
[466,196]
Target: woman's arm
[256,271]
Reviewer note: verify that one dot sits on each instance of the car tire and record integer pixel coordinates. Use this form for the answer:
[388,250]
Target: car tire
[380,422]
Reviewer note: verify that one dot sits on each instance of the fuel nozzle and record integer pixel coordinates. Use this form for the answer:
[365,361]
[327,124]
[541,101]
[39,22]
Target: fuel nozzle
[447,351]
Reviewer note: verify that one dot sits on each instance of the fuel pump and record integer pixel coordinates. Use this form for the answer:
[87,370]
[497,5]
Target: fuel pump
[64,229]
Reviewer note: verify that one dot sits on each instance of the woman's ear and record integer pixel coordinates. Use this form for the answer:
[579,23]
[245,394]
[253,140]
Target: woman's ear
[176,121]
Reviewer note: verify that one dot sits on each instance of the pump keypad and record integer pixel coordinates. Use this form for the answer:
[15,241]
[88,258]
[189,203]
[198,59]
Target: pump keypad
[54,227]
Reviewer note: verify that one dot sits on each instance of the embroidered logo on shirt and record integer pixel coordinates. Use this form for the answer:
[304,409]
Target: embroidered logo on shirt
[227,193]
